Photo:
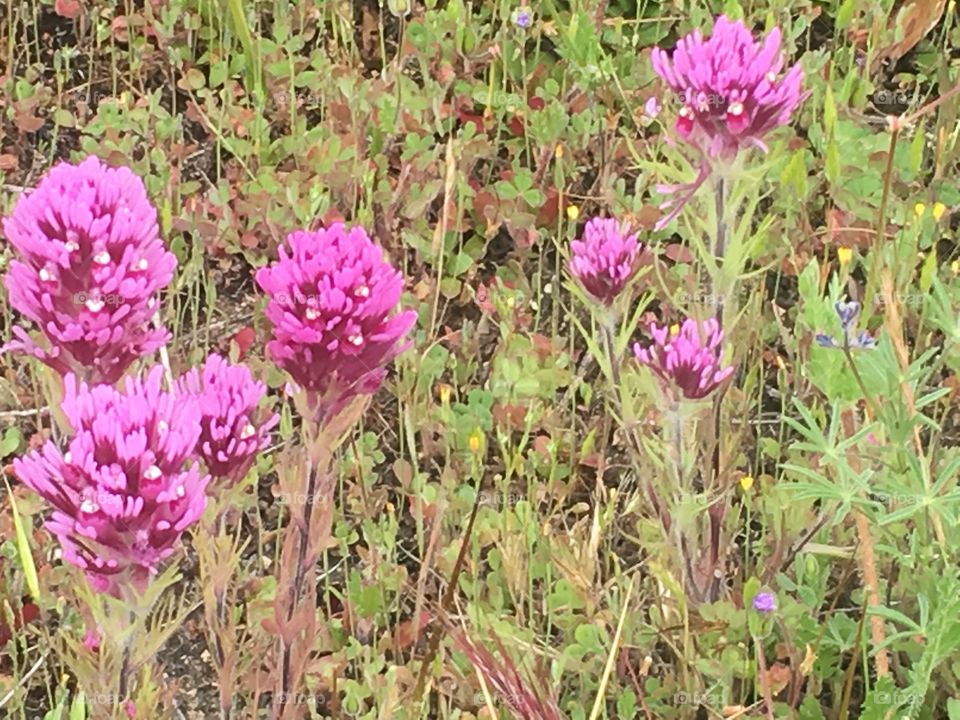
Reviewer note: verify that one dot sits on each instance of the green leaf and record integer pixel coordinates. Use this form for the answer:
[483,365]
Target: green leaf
[750,589]
[916,149]
[23,549]
[844,15]
[829,113]
[929,270]
[78,709]
[832,164]
[12,439]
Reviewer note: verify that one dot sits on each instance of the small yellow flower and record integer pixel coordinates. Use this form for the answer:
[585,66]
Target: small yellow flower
[674,330]
[780,363]
[746,482]
[511,302]
[476,441]
[955,266]
[573,212]
[391,508]
[445,394]
[919,209]
[558,152]
[844,255]
[938,210]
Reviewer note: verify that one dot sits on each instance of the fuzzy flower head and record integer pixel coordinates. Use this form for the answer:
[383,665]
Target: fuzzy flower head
[89,264]
[688,359]
[121,493]
[732,88]
[332,306]
[605,258]
[232,428]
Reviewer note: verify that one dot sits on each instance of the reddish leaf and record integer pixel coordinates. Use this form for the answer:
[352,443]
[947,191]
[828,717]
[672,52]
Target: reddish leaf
[678,253]
[244,338]
[408,632]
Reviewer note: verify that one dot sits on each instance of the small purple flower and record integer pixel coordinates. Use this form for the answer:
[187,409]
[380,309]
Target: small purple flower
[688,359]
[332,306]
[848,313]
[89,266]
[233,430]
[122,493]
[523,17]
[731,87]
[605,259]
[765,603]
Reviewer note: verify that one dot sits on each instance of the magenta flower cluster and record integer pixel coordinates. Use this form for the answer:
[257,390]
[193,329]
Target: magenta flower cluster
[333,301]
[732,88]
[90,265]
[688,361]
[233,430]
[605,258]
[124,491]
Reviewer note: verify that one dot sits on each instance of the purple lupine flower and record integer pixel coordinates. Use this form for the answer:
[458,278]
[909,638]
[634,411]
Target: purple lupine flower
[733,94]
[232,428]
[332,306]
[605,259]
[688,359]
[122,493]
[765,603]
[731,87]
[90,264]
[848,312]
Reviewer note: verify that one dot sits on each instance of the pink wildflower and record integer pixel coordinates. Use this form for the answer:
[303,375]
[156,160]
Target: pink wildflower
[233,430]
[605,259]
[733,92]
[332,305]
[121,493]
[90,264]
[688,360]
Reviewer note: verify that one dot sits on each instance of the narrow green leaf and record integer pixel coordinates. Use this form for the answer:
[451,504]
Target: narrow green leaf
[23,548]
